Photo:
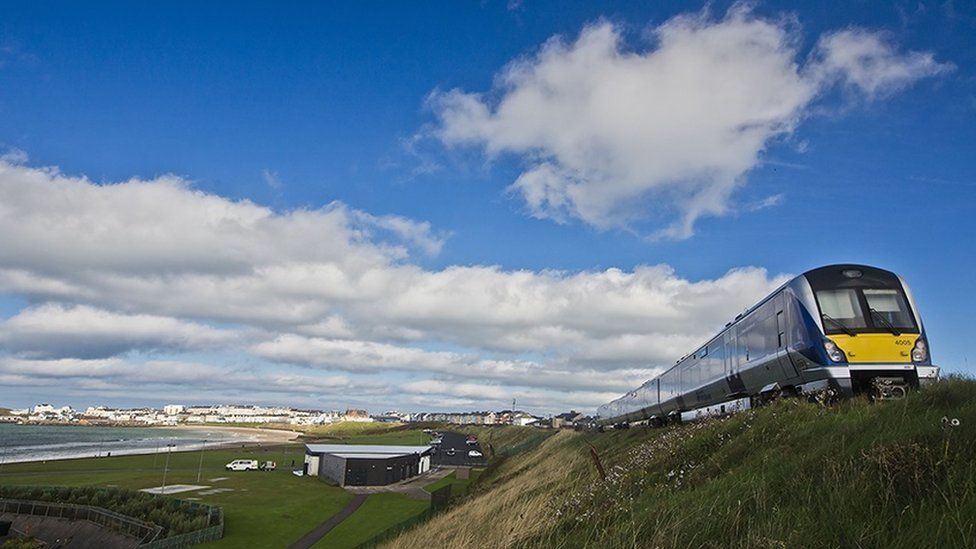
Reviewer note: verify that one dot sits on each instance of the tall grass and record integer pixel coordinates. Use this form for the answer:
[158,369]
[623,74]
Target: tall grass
[793,474]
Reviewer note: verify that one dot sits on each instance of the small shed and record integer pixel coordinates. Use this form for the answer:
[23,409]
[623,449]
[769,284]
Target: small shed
[366,465]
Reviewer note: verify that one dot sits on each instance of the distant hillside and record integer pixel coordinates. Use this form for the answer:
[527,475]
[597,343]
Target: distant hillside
[4,411]
[793,474]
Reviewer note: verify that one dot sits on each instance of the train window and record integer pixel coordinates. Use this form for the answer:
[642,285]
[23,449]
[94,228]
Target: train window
[890,306]
[840,310]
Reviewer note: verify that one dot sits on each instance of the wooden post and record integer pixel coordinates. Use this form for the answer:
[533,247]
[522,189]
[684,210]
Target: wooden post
[596,460]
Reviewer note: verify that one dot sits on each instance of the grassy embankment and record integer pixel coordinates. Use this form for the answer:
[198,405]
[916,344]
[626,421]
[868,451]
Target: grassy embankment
[262,509]
[459,486]
[794,474]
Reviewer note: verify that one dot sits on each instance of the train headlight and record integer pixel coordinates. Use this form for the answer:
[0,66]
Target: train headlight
[834,352]
[920,352]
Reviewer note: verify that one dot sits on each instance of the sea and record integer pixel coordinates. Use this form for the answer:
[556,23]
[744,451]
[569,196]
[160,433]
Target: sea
[19,443]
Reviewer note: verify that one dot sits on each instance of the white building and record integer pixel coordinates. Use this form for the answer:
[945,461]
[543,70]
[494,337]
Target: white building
[173,409]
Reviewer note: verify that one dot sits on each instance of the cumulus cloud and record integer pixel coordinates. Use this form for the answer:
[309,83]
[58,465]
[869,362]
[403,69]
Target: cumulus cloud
[367,356]
[610,134]
[167,228]
[54,331]
[870,62]
[124,269]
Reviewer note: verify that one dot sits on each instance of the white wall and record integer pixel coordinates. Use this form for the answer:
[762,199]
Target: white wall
[313,465]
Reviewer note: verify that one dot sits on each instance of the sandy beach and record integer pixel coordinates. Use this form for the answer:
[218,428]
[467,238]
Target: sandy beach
[244,434]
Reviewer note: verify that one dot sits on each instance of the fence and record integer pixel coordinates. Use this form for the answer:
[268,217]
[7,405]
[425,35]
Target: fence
[137,529]
[213,532]
[147,534]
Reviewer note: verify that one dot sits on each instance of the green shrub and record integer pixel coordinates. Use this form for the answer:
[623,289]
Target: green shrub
[175,516]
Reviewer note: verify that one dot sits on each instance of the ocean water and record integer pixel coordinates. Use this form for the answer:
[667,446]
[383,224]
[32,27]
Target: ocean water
[20,443]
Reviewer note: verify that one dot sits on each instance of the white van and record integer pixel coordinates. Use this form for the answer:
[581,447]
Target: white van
[243,465]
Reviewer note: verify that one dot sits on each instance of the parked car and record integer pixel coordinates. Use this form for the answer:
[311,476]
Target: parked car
[268,466]
[298,472]
[242,465]
[471,441]
[450,451]
[436,441]
[474,454]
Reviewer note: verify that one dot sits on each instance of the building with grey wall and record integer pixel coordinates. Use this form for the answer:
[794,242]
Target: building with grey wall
[366,465]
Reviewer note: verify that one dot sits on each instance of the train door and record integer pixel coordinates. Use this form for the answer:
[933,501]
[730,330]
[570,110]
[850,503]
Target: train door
[782,337]
[736,386]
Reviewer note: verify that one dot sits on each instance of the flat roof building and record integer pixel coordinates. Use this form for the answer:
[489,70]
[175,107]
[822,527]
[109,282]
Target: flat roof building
[366,465]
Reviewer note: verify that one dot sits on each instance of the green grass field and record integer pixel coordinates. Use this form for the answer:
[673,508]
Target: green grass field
[263,509]
[378,512]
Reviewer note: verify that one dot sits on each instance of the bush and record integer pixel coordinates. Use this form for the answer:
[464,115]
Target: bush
[175,516]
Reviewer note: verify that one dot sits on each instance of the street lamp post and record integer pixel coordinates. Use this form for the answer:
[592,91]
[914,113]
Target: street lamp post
[200,468]
[166,468]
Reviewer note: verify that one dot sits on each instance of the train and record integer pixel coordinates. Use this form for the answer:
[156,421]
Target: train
[839,330]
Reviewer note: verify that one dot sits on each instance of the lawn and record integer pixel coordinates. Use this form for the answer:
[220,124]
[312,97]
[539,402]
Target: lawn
[378,513]
[458,486]
[263,509]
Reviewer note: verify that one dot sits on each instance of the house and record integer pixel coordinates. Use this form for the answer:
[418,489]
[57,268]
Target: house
[366,465]
[566,420]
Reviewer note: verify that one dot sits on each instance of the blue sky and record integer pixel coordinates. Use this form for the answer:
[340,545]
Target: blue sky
[295,107]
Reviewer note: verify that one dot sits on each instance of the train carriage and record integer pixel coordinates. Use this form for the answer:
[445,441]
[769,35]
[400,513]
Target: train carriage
[851,328]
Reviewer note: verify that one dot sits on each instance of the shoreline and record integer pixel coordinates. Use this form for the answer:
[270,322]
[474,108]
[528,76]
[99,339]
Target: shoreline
[240,437]
[258,434]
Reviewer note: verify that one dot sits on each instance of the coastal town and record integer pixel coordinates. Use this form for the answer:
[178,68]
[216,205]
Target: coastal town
[179,414]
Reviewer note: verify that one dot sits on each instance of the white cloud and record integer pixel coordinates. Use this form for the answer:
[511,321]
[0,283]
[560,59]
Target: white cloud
[367,356]
[166,228]
[870,62]
[139,266]
[53,330]
[610,135]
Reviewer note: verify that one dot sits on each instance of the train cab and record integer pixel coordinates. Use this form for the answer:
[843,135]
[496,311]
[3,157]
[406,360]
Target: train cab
[874,340]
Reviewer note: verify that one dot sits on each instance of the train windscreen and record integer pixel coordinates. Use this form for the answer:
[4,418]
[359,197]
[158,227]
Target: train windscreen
[861,300]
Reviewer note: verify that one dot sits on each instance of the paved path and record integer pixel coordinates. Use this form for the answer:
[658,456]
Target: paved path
[321,530]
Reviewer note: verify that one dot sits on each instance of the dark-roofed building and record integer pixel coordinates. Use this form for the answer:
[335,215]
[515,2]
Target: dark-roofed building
[366,465]
[567,420]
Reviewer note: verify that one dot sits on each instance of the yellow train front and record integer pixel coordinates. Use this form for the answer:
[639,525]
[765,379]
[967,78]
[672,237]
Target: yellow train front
[847,328]
[874,340]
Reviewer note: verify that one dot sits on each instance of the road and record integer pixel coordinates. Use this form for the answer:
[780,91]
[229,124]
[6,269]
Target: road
[457,441]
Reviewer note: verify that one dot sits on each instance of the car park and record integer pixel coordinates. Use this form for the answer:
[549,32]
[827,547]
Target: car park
[242,465]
